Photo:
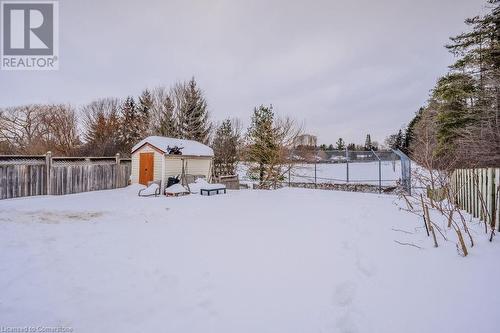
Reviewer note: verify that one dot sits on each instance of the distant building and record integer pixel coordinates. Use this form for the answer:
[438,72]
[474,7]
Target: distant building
[306,140]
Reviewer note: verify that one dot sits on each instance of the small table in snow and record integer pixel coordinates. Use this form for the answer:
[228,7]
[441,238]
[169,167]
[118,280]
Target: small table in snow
[210,190]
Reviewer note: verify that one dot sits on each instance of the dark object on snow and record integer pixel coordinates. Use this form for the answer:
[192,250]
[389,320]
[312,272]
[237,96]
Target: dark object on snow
[174,150]
[172,181]
[211,190]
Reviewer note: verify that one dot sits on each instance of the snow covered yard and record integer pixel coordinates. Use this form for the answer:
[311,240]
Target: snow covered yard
[290,260]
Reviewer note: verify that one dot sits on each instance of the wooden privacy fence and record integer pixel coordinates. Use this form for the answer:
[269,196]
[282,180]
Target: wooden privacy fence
[22,175]
[477,192]
[232,182]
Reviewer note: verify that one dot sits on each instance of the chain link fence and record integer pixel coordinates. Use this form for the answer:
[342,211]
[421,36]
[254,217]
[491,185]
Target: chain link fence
[367,171]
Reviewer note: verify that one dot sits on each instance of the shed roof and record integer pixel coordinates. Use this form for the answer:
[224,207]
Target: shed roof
[190,147]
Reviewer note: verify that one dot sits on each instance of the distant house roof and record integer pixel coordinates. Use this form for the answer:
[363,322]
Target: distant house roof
[190,147]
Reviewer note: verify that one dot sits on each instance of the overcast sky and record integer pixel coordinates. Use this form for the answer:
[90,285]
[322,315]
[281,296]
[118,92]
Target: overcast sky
[343,68]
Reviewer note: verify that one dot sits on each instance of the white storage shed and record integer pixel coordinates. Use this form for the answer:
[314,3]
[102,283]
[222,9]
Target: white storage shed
[154,160]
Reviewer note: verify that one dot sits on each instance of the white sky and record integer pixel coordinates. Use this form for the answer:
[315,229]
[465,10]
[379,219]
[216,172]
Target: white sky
[343,68]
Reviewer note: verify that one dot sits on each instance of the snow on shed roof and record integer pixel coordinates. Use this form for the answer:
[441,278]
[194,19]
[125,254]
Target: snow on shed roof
[191,148]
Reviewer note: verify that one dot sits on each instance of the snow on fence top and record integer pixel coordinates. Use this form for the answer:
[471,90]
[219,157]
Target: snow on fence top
[190,147]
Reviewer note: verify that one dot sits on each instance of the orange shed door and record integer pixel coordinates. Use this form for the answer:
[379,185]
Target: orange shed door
[146,167]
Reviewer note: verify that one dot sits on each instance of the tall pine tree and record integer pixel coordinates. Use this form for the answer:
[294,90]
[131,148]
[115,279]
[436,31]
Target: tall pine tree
[473,129]
[340,144]
[368,142]
[167,124]
[262,142]
[395,141]
[193,114]
[225,147]
[130,126]
[144,112]
[410,131]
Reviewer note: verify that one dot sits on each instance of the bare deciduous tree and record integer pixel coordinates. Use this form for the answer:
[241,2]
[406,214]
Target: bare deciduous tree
[35,129]
[22,128]
[101,121]
[61,129]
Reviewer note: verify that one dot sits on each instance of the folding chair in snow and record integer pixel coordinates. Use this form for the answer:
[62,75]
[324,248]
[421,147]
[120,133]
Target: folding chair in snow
[153,188]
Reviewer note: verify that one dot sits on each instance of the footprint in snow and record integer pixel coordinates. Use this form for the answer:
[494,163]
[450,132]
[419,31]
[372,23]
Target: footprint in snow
[344,293]
[346,324]
[340,317]
[365,267]
[205,292]
[346,245]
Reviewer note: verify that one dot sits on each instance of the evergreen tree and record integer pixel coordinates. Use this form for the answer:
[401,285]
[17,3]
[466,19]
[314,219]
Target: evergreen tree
[144,112]
[452,95]
[351,146]
[225,146]
[395,141]
[479,51]
[467,100]
[130,125]
[368,142]
[409,133]
[340,144]
[330,147]
[167,124]
[193,114]
[262,140]
[399,140]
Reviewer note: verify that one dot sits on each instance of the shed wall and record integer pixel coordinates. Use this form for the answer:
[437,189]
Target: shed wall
[194,166]
[135,163]
[199,167]
[173,165]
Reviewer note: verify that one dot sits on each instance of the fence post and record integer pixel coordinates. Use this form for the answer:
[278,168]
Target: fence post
[409,176]
[48,167]
[379,176]
[379,171]
[289,179]
[117,170]
[496,184]
[315,163]
[347,164]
